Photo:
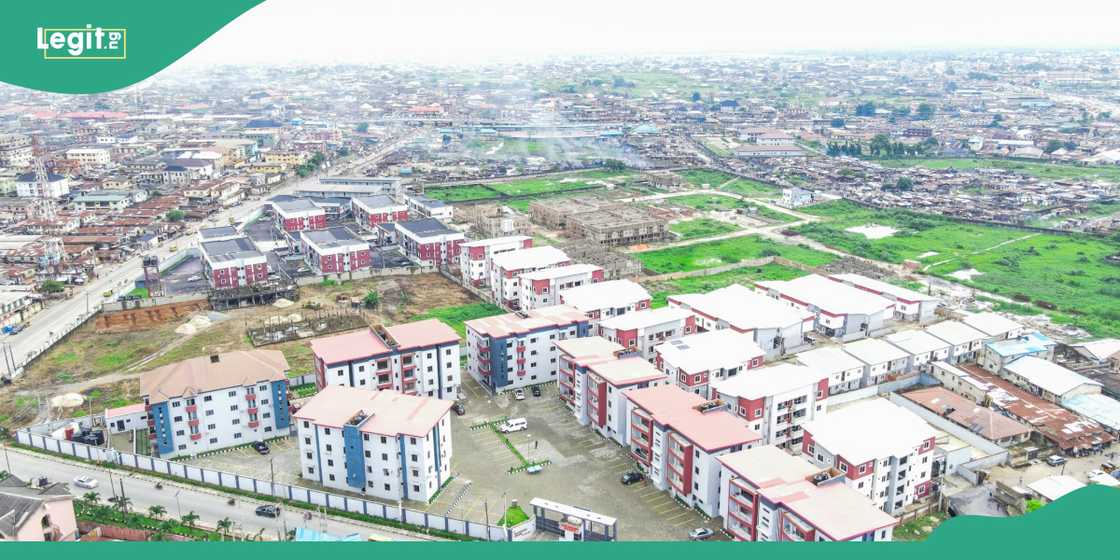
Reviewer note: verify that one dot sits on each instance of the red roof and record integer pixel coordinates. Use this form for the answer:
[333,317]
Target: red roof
[429,332]
[675,408]
[348,347]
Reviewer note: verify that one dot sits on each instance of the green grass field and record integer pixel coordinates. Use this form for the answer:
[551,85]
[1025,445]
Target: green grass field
[456,315]
[1069,271]
[706,202]
[535,186]
[727,251]
[1050,171]
[699,177]
[702,284]
[701,227]
[462,193]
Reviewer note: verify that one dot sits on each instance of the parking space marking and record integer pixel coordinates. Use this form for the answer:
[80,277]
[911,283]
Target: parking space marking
[678,517]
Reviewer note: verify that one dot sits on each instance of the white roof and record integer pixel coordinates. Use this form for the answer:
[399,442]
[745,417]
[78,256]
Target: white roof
[497,241]
[829,295]
[601,295]
[1049,376]
[531,258]
[769,381]
[884,287]
[991,324]
[709,351]
[1099,350]
[743,308]
[830,358]
[955,332]
[560,272]
[1055,486]
[916,341]
[646,318]
[873,351]
[870,430]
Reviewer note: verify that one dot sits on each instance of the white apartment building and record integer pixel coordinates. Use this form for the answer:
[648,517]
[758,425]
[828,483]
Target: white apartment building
[603,300]
[677,437]
[966,342]
[217,401]
[506,270]
[420,358]
[642,331]
[516,350]
[57,186]
[384,444]
[90,157]
[474,256]
[909,305]
[841,311]
[776,401]
[884,451]
[924,348]
[776,328]
[541,288]
[845,371]
[697,361]
[770,495]
[881,360]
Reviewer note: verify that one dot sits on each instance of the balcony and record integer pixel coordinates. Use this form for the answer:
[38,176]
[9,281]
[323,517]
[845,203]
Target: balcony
[196,437]
[250,396]
[252,411]
[192,422]
[254,423]
[192,408]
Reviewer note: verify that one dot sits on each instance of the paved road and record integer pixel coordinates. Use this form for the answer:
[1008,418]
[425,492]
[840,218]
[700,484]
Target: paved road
[210,505]
[53,322]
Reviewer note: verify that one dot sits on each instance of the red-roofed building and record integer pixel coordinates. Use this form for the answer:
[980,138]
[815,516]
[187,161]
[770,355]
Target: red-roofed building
[420,358]
[676,437]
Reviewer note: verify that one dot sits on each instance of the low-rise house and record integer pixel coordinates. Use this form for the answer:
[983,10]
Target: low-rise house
[776,401]
[677,437]
[997,354]
[775,327]
[212,402]
[420,358]
[966,341]
[1048,380]
[641,331]
[769,495]
[980,420]
[697,362]
[385,444]
[603,300]
[36,513]
[881,360]
[845,371]
[994,325]
[923,348]
[909,305]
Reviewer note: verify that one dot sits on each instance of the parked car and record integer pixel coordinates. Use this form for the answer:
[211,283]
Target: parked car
[632,477]
[87,482]
[1055,460]
[17,328]
[513,425]
[261,447]
[519,395]
[536,390]
[459,408]
[268,511]
[700,534]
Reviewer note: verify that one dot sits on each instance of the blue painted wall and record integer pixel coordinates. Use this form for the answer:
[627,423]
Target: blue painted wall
[280,404]
[355,461]
[165,439]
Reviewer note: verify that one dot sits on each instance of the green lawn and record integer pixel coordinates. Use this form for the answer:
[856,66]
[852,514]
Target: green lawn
[1069,271]
[701,227]
[747,187]
[706,202]
[462,193]
[727,251]
[699,177]
[702,284]
[542,186]
[1050,171]
[455,315]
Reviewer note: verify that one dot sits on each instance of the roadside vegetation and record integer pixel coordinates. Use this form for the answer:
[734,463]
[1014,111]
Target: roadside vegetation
[727,251]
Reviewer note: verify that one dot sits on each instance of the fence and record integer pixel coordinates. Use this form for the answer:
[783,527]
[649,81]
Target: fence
[279,490]
[363,274]
[873,390]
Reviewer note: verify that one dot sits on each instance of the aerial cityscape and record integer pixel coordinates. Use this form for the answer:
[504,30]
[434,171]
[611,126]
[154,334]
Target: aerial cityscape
[828,296]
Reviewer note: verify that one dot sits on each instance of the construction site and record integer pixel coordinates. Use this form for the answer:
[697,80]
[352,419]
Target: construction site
[604,222]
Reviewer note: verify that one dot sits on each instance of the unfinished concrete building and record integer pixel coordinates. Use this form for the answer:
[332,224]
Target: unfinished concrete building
[491,220]
[616,265]
[605,222]
[555,213]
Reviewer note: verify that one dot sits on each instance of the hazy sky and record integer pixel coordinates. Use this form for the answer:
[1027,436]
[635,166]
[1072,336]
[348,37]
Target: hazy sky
[480,31]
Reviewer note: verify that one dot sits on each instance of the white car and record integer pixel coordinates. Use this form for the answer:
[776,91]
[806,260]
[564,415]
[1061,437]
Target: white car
[87,482]
[519,395]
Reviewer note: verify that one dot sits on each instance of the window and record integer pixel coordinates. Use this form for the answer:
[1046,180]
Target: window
[237,435]
[233,393]
[178,418]
[209,412]
[207,398]
[211,426]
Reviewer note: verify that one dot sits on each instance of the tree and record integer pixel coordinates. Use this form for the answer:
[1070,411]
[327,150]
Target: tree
[224,525]
[51,287]
[1053,146]
[157,511]
[866,109]
[91,498]
[175,215]
[904,184]
[189,519]
[123,502]
[372,299]
[1033,505]
[925,111]
[614,165]
[363,128]
[879,145]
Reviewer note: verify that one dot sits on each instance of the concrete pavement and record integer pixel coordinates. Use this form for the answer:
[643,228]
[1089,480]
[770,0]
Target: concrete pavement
[179,499]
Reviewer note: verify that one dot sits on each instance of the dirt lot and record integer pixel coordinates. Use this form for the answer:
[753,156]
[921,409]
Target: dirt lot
[110,362]
[133,320]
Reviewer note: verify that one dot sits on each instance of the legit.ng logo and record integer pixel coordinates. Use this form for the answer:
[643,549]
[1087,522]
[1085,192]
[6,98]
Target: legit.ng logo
[88,43]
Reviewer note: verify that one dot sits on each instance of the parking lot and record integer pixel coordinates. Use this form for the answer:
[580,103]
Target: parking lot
[583,469]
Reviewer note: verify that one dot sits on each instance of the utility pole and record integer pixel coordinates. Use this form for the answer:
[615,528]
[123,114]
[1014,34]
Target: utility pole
[486,509]
[8,461]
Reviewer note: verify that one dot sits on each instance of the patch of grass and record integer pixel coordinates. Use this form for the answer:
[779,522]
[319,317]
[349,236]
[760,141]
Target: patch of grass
[727,251]
[747,187]
[702,284]
[919,528]
[700,177]
[455,315]
[706,202]
[701,227]
[305,390]
[513,516]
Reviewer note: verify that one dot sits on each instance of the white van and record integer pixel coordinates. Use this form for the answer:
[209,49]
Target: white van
[513,425]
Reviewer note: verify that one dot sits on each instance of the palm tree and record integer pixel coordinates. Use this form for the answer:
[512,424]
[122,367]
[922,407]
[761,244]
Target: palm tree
[189,519]
[157,511]
[123,502]
[224,525]
[91,498]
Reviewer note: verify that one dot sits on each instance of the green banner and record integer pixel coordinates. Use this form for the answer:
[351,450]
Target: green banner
[75,46]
